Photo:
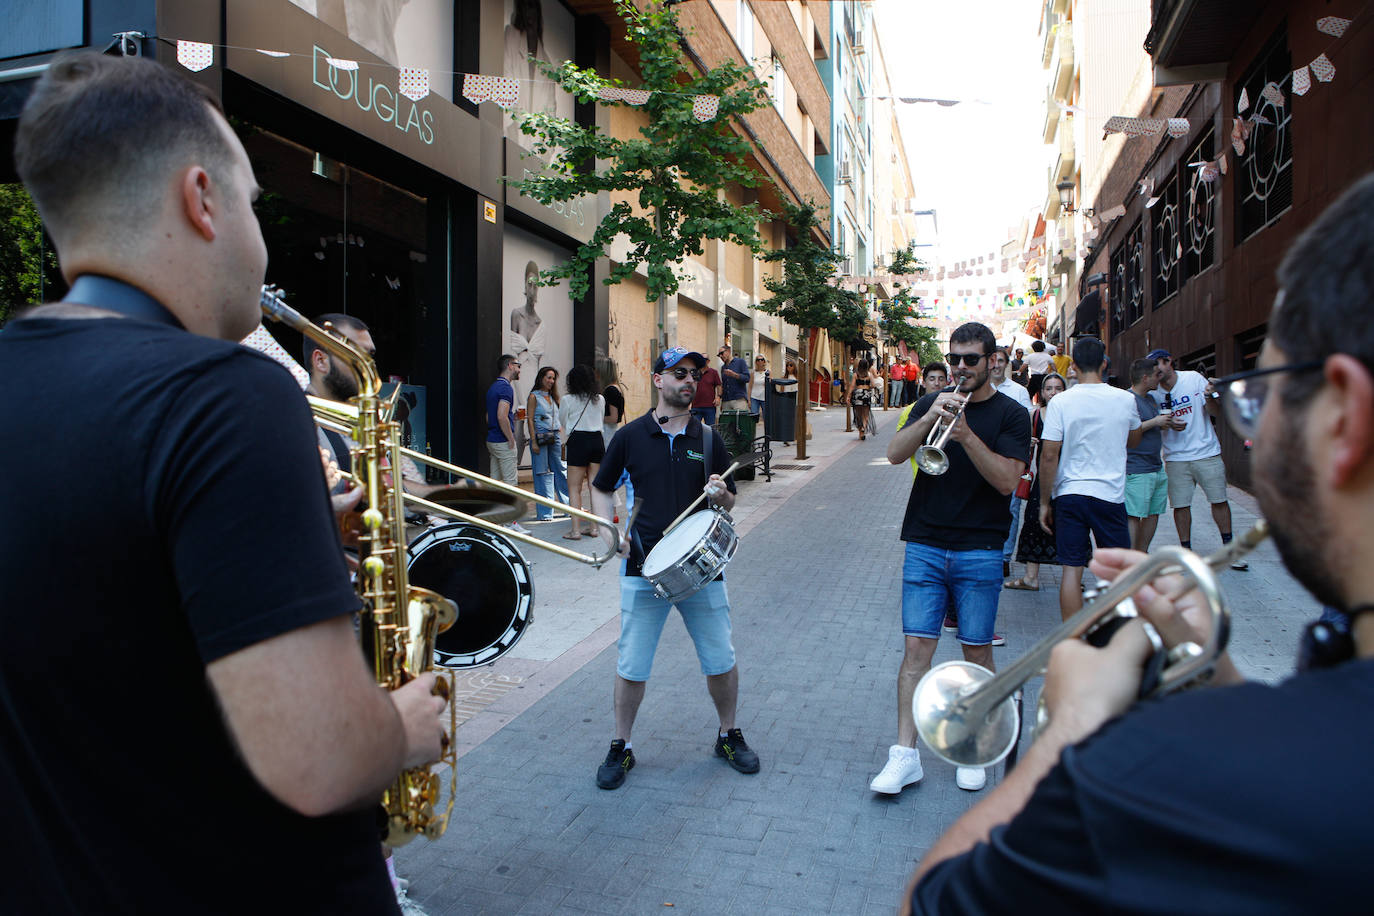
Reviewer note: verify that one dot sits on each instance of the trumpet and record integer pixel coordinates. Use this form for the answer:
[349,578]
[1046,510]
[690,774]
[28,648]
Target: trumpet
[968,716]
[931,457]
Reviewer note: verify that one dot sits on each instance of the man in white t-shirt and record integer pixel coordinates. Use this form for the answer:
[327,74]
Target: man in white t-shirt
[1192,451]
[1083,468]
[1039,362]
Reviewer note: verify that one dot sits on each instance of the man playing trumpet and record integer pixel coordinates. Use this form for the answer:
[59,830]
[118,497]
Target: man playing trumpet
[954,527]
[1219,800]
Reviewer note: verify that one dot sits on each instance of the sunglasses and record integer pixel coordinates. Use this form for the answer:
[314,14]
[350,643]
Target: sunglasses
[968,359]
[681,373]
[1243,395]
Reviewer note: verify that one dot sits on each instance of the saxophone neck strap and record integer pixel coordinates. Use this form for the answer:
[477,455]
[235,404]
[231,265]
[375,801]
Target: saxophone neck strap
[117,296]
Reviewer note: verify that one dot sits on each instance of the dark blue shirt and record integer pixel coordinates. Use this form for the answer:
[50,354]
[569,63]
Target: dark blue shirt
[667,472]
[1144,458]
[500,390]
[1216,801]
[734,389]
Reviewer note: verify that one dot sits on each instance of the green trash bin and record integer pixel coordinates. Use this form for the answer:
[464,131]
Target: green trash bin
[736,428]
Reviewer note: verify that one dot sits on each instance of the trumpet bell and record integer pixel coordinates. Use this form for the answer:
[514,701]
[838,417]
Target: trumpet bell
[931,460]
[949,735]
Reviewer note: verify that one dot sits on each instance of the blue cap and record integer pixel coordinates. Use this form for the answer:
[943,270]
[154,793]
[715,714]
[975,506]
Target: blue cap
[670,358]
[1159,354]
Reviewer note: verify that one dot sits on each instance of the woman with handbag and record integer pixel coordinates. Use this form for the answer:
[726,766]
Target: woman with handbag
[541,413]
[580,416]
[1035,546]
[861,396]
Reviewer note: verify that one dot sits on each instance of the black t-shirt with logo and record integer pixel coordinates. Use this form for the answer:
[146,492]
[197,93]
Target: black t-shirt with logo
[165,508]
[667,473]
[959,509]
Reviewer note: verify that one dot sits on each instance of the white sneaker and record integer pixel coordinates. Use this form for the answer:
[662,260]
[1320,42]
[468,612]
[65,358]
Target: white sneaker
[970,778]
[903,768]
[518,528]
[1240,565]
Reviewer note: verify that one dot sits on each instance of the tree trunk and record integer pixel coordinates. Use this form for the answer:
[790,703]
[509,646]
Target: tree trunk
[804,386]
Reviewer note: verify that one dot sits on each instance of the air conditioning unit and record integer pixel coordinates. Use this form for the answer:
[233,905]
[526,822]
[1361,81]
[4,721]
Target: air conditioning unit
[846,173]
[859,46]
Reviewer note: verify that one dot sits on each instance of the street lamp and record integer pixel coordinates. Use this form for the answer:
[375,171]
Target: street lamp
[1065,189]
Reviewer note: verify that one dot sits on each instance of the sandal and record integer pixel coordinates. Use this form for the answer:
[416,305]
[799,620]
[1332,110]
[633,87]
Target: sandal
[1021,583]
[572,536]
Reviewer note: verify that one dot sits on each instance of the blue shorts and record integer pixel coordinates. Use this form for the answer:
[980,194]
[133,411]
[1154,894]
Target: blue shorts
[936,580]
[1075,516]
[642,615]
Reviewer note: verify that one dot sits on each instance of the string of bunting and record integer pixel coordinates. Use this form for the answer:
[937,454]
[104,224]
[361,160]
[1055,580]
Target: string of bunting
[414,82]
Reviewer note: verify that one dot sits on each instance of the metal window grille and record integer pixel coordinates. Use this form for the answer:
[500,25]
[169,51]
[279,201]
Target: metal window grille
[1265,182]
[1200,210]
[1166,233]
[1127,282]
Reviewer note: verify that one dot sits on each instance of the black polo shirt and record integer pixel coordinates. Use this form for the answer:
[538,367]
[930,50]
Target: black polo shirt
[667,473]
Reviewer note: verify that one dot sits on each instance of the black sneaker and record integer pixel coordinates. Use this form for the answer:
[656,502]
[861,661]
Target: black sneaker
[619,761]
[734,749]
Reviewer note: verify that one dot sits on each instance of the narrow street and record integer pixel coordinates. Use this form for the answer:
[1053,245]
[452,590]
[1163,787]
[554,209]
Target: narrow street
[814,590]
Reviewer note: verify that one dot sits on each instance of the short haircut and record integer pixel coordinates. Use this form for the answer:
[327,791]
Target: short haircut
[975,332]
[1038,346]
[935,367]
[101,135]
[1088,354]
[1141,368]
[340,322]
[1326,284]
[503,362]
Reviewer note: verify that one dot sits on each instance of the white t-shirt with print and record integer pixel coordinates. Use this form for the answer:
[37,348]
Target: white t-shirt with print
[1197,440]
[1092,420]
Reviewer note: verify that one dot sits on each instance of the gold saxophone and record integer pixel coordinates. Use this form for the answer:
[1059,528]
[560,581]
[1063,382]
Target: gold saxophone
[399,621]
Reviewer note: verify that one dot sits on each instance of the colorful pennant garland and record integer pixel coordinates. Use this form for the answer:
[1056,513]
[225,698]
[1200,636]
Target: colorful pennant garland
[1302,81]
[1323,69]
[503,90]
[414,83]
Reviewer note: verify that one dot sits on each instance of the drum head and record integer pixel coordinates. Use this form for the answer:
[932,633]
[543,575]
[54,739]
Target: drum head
[487,578]
[677,542]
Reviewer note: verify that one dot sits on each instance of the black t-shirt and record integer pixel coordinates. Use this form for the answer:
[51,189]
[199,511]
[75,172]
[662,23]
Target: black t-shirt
[614,397]
[1248,799]
[666,472]
[959,509]
[164,508]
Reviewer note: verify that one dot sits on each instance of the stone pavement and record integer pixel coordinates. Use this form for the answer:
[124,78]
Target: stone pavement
[814,590]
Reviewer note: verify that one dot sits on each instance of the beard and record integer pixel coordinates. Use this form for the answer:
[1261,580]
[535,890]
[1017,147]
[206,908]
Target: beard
[339,383]
[1287,496]
[680,398]
[967,382]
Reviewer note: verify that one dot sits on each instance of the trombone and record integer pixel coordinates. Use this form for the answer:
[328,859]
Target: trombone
[343,417]
[931,457]
[968,716]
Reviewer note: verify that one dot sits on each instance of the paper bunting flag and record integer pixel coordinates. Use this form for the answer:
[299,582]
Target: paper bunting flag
[1113,213]
[1302,81]
[262,341]
[608,93]
[414,83]
[636,96]
[1221,163]
[617,94]
[1244,102]
[1208,173]
[1133,127]
[505,91]
[1323,69]
[1273,93]
[1333,25]
[479,88]
[1151,202]
[195,55]
[273,53]
[1178,127]
[1147,187]
[1257,118]
[342,63]
[1240,132]
[704,107]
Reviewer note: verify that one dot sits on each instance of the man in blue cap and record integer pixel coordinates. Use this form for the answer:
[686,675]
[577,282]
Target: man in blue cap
[671,457]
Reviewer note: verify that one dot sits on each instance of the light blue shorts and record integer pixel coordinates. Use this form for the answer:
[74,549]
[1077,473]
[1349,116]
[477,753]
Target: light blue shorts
[642,615]
[936,580]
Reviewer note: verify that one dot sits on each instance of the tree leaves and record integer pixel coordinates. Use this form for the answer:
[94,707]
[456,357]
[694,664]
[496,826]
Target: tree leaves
[806,295]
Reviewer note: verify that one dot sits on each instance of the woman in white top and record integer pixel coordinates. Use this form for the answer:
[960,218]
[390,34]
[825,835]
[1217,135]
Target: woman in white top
[579,419]
[757,381]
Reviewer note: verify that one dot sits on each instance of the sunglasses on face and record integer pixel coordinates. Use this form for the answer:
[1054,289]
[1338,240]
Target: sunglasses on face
[1243,395]
[681,373]
[968,359]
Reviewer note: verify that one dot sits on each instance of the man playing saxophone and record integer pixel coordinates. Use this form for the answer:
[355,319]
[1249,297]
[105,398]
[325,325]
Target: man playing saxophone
[196,688]
[1219,800]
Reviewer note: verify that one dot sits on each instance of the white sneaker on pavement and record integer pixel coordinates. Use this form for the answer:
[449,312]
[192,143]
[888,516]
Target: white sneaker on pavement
[903,768]
[970,779]
[518,528]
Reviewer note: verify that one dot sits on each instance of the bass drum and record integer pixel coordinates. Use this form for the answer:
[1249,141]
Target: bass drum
[487,578]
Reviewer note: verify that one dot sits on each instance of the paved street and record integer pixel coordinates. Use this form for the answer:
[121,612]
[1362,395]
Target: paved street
[814,588]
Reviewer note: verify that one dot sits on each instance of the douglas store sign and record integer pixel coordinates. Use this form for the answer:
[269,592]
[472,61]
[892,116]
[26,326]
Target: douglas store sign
[432,131]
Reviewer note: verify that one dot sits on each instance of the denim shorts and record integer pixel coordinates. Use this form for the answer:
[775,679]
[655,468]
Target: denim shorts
[936,580]
[642,615]
[1075,516]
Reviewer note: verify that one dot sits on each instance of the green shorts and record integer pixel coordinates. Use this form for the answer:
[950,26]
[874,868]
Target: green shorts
[1146,493]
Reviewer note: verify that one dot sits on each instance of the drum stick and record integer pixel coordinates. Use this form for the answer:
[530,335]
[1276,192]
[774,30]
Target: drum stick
[751,458]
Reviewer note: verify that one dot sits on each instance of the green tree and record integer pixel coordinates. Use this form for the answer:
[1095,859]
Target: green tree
[678,167]
[807,295]
[896,315]
[28,264]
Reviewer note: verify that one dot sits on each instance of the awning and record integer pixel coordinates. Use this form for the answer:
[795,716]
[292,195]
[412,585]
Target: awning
[1088,315]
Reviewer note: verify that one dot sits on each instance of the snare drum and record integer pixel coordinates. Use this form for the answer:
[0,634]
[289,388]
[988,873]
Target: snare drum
[691,555]
[487,578]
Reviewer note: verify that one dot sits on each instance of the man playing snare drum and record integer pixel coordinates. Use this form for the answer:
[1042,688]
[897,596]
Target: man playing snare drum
[670,457]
